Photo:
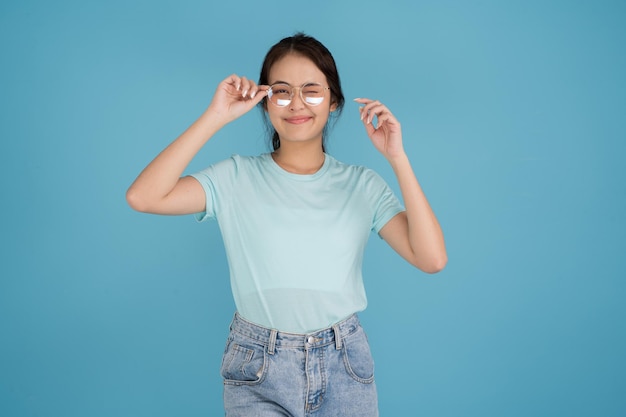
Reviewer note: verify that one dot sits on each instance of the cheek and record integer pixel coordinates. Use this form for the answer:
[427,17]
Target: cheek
[272,115]
[324,114]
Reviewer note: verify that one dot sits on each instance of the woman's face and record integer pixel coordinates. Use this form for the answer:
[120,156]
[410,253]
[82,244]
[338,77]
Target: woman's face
[297,121]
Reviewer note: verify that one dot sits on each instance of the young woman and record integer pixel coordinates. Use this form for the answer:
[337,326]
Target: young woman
[295,223]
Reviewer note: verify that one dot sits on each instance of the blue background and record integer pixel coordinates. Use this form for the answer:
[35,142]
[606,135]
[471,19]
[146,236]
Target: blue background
[513,114]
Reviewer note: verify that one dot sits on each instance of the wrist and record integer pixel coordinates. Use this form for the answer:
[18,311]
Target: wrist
[398,158]
[214,119]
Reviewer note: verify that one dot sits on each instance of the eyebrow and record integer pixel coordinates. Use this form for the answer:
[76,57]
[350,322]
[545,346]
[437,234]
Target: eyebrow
[285,82]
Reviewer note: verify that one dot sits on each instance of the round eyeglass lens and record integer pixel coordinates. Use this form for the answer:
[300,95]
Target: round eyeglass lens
[280,94]
[312,94]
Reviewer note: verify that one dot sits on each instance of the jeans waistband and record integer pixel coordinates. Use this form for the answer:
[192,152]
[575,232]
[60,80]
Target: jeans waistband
[273,338]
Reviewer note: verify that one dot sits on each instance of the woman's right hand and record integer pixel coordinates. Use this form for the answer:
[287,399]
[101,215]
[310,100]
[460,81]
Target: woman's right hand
[159,188]
[234,97]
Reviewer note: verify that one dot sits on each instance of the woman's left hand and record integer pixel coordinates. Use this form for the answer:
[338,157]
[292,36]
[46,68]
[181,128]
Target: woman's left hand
[387,135]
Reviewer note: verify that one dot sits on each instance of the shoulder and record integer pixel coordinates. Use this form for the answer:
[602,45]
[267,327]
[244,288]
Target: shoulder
[237,162]
[250,161]
[355,172]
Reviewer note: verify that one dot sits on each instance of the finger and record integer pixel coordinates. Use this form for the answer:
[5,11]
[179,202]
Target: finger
[363,110]
[365,119]
[385,118]
[369,128]
[245,86]
[376,110]
[382,113]
[371,108]
[233,80]
[375,107]
[248,86]
[366,112]
[257,94]
[254,89]
[259,89]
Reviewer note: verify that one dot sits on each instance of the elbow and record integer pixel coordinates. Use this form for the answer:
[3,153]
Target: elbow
[135,201]
[433,265]
[436,266]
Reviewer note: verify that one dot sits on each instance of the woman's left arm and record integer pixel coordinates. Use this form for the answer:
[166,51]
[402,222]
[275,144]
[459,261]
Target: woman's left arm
[415,233]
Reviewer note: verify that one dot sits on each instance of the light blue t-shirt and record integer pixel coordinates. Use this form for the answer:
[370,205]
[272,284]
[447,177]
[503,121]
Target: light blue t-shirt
[295,242]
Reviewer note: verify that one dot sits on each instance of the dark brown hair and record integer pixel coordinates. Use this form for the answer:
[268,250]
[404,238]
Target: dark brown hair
[313,49]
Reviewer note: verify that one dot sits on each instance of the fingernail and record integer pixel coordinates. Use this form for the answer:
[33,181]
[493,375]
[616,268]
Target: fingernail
[357,99]
[253,94]
[244,93]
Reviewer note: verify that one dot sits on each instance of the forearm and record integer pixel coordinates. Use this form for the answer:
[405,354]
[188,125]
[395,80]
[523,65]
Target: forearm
[160,177]
[424,232]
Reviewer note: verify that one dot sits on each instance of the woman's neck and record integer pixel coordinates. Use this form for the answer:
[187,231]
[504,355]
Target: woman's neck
[299,158]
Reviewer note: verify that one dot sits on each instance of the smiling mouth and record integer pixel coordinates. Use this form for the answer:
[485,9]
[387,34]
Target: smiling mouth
[298,120]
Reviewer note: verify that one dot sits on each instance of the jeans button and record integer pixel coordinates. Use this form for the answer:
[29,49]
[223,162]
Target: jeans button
[311,340]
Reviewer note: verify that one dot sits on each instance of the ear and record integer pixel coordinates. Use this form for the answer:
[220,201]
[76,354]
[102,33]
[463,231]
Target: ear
[333,106]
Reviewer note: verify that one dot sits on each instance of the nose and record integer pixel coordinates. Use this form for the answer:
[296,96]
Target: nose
[296,99]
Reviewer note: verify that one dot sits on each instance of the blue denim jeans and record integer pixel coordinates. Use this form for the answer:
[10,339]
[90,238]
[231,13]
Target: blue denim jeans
[271,373]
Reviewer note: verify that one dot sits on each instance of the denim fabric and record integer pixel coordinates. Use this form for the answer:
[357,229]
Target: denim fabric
[326,373]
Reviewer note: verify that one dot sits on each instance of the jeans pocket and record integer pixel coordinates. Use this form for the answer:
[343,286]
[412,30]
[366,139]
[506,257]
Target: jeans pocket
[243,363]
[357,357]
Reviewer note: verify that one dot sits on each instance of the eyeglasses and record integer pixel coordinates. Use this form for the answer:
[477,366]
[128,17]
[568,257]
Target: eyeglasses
[281,94]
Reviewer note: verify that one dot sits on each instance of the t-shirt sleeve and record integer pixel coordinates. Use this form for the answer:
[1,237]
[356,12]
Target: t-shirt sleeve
[385,204]
[217,180]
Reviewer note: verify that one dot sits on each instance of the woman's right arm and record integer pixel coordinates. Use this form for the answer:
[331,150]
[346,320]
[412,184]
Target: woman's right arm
[160,189]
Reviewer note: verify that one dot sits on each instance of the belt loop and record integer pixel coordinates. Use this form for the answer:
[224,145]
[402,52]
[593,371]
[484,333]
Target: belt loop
[271,347]
[337,337]
[232,322]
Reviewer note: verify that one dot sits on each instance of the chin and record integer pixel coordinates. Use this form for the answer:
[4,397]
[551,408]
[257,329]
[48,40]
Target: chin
[299,139]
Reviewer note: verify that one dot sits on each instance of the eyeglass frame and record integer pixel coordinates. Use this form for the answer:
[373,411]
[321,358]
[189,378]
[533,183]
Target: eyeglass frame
[291,94]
